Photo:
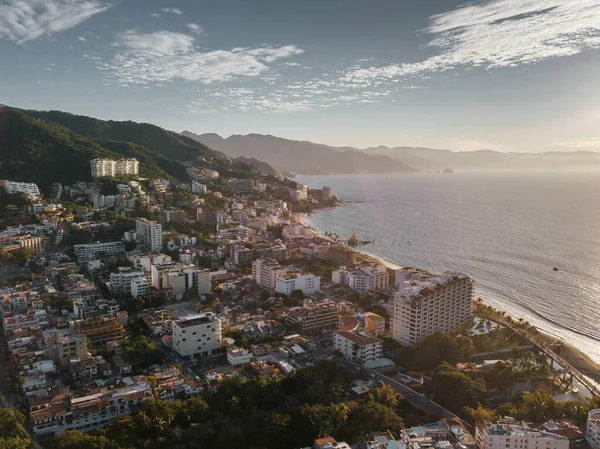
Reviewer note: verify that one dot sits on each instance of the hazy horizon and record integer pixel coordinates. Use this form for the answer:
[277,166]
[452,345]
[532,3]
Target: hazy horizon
[503,75]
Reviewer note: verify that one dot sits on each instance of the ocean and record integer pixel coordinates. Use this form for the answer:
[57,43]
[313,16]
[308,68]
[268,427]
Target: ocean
[508,230]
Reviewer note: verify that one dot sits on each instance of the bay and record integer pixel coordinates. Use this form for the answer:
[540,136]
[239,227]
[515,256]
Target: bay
[508,230]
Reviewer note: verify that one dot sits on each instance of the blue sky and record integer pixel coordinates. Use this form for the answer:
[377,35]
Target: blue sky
[510,75]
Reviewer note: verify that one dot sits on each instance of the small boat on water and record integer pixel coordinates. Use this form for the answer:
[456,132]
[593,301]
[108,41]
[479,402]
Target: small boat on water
[555,269]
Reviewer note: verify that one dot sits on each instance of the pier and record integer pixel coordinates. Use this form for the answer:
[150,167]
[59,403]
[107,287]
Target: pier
[542,346]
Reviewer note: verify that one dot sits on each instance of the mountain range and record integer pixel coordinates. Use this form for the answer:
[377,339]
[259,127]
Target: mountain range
[298,157]
[52,146]
[304,157]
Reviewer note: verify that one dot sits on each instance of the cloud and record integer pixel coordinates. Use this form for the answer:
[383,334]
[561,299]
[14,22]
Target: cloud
[195,28]
[579,144]
[22,21]
[175,11]
[82,39]
[156,15]
[498,33]
[166,56]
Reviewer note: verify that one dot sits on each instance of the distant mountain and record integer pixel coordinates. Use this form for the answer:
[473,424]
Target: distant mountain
[301,157]
[304,157]
[46,147]
[429,159]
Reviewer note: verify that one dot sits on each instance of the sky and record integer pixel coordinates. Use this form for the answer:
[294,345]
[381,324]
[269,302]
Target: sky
[506,75]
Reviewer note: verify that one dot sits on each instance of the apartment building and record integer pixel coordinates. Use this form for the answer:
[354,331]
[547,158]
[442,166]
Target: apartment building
[512,434]
[315,318]
[197,335]
[28,188]
[62,346]
[102,168]
[426,303]
[592,429]
[91,251]
[140,286]
[207,217]
[148,234]
[266,271]
[99,330]
[356,339]
[307,283]
[120,282]
[64,412]
[343,257]
[357,346]
[363,279]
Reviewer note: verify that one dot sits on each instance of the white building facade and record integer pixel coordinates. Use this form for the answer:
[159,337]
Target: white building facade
[427,303]
[197,335]
[307,283]
[148,234]
[266,271]
[511,434]
[592,429]
[102,168]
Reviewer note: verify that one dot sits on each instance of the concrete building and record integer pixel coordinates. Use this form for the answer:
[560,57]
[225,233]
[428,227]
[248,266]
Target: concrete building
[103,168]
[343,257]
[99,330]
[140,286]
[307,283]
[91,251]
[28,188]
[63,345]
[180,277]
[326,191]
[238,356]
[592,429]
[198,188]
[197,335]
[120,282]
[426,303]
[62,413]
[357,346]
[315,318]
[509,433]
[266,271]
[148,234]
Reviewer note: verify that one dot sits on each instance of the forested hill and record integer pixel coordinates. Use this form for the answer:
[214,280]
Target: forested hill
[46,147]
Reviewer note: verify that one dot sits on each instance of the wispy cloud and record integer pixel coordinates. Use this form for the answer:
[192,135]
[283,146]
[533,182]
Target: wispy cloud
[156,15]
[499,33]
[23,21]
[579,144]
[166,56]
[195,28]
[172,11]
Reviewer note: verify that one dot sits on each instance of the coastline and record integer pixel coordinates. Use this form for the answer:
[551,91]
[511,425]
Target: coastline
[574,356]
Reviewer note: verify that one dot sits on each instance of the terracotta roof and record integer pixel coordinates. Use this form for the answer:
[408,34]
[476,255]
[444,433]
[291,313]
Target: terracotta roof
[358,339]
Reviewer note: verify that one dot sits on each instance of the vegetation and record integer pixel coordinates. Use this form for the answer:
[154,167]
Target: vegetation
[141,353]
[435,349]
[53,146]
[12,433]
[258,413]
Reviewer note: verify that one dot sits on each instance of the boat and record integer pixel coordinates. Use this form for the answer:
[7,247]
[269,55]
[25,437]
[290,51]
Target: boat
[555,269]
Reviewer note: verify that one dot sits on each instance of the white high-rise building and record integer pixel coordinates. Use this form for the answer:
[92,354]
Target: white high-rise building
[197,335]
[307,283]
[266,271]
[120,282]
[148,234]
[509,433]
[103,168]
[592,429]
[27,188]
[425,303]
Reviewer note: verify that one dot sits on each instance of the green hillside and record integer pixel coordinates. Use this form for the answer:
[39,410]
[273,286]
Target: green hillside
[46,147]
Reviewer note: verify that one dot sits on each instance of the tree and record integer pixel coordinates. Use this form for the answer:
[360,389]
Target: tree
[435,349]
[373,416]
[76,439]
[454,389]
[385,395]
[324,420]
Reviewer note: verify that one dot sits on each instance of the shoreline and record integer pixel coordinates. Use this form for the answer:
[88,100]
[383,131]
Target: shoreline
[574,356]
